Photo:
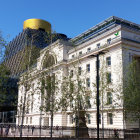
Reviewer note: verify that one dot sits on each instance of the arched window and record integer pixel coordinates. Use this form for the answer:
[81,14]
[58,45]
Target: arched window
[49,61]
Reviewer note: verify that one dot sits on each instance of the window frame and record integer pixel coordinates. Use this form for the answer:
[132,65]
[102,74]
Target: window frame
[88,68]
[98,45]
[80,53]
[109,41]
[109,118]
[88,82]
[108,61]
[79,70]
[88,118]
[109,98]
[109,77]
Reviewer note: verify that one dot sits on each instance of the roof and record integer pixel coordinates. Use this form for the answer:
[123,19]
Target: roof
[105,25]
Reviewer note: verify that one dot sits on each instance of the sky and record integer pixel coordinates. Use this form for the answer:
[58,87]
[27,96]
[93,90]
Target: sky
[71,17]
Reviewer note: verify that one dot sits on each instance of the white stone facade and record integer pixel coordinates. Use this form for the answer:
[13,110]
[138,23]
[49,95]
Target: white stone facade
[119,43]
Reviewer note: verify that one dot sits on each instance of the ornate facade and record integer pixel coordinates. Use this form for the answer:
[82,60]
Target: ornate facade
[118,39]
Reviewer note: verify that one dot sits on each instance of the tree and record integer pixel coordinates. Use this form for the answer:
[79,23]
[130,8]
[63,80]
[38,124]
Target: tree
[8,86]
[48,86]
[49,95]
[30,53]
[131,92]
[76,94]
[106,91]
[45,81]
[7,90]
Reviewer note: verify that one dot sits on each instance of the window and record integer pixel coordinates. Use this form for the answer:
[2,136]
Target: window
[71,105]
[108,61]
[71,119]
[32,100]
[79,84]
[88,49]
[88,118]
[79,70]
[109,41]
[71,73]
[88,68]
[98,45]
[108,76]
[48,61]
[26,120]
[80,53]
[88,102]
[73,56]
[46,121]
[109,98]
[109,118]
[30,120]
[88,82]
[71,87]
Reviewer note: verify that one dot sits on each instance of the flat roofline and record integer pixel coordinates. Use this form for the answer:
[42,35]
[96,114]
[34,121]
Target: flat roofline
[104,23]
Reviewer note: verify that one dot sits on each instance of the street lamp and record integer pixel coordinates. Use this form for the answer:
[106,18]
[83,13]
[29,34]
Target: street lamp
[97,82]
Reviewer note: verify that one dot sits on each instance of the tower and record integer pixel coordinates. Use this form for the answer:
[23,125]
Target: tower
[36,35]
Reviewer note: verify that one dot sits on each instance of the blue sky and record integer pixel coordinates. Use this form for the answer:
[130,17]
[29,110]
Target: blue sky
[71,17]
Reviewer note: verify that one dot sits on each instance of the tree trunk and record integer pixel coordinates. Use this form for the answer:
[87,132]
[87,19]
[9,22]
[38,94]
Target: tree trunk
[82,129]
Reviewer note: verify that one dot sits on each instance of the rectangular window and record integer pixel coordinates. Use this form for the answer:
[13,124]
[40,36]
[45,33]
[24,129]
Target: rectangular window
[71,73]
[79,84]
[88,82]
[30,120]
[110,118]
[32,100]
[108,61]
[73,56]
[79,70]
[88,68]
[108,77]
[109,98]
[80,53]
[26,120]
[88,118]
[71,119]
[46,121]
[71,87]
[88,49]
[108,41]
[88,102]
[71,105]
[98,45]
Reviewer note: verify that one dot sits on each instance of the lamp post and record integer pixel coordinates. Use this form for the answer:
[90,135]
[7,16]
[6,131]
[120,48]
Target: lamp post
[97,98]
[97,83]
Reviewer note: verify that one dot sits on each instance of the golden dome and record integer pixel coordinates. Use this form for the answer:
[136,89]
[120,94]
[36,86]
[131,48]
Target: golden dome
[37,24]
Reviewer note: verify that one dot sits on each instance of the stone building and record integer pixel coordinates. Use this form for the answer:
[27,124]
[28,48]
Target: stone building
[116,40]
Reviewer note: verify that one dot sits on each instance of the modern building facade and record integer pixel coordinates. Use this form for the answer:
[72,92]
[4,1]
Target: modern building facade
[36,35]
[117,41]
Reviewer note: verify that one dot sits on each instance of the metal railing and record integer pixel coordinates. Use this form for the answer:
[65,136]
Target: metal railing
[63,132]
